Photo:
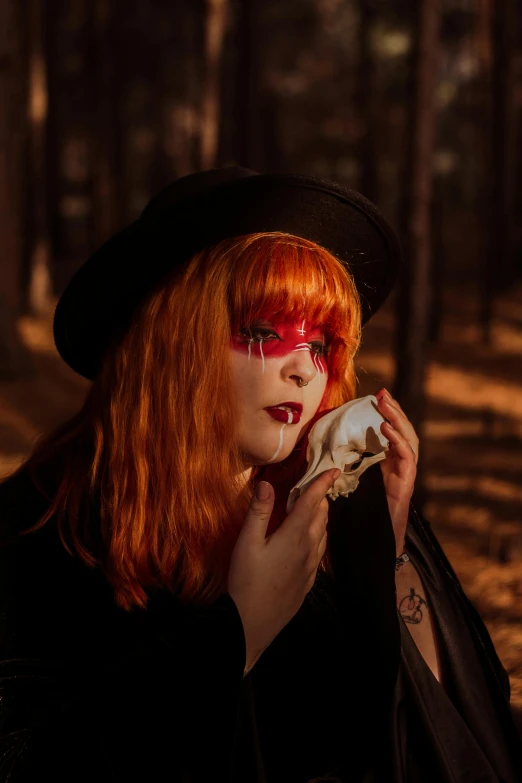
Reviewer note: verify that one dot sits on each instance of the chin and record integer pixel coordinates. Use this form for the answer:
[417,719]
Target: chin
[266,459]
[283,454]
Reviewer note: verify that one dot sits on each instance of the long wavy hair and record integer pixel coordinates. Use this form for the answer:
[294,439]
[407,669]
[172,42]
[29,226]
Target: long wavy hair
[146,477]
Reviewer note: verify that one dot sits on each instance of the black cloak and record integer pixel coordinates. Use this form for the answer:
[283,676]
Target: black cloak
[90,692]
[462,732]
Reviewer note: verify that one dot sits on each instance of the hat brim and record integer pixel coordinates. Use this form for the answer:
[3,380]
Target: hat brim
[104,292]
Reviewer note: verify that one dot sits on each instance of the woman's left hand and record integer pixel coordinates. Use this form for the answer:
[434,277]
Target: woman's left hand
[400,466]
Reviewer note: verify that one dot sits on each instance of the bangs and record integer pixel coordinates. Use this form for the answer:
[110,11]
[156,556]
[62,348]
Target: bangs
[280,276]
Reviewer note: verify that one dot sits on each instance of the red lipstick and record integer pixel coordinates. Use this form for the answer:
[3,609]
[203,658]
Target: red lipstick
[287,417]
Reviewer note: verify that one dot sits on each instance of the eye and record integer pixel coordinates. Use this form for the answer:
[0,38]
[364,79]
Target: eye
[322,349]
[264,334]
[254,331]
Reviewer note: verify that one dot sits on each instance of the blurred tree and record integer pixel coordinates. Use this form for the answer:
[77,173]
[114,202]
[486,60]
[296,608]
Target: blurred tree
[366,102]
[147,43]
[413,300]
[162,72]
[105,123]
[496,40]
[179,88]
[216,20]
[437,268]
[247,116]
[250,106]
[456,161]
[137,92]
[38,290]
[488,263]
[70,128]
[14,358]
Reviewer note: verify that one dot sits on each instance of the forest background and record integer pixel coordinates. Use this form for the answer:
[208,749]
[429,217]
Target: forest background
[416,103]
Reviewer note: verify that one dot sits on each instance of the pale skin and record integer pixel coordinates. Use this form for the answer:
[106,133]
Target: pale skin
[399,470]
[269,375]
[267,362]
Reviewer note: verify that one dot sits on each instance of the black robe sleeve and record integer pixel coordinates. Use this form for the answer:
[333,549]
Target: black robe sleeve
[321,693]
[473,618]
[464,730]
[92,693]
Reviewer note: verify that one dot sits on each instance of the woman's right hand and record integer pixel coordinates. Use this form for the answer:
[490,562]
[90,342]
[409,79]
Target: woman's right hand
[269,577]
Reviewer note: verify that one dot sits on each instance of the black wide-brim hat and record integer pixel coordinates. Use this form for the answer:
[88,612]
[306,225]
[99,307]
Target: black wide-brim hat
[200,210]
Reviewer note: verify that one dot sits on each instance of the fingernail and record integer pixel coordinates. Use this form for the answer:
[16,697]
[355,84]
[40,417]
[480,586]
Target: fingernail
[262,490]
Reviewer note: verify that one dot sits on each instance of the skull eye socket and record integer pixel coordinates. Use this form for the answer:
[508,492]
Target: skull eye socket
[355,465]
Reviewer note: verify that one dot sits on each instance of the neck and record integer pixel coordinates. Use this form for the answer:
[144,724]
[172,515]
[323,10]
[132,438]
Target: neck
[244,477]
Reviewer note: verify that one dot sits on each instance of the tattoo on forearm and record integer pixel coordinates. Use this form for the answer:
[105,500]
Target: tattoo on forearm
[411,607]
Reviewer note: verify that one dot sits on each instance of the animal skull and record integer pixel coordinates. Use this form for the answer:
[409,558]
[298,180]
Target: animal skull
[338,440]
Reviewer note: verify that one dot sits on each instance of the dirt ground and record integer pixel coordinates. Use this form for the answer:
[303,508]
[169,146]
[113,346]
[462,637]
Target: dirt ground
[472,442]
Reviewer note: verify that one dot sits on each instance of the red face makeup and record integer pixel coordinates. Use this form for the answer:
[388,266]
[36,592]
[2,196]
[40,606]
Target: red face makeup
[270,410]
[276,339]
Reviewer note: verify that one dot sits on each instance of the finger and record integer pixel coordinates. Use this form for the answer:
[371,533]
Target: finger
[396,403]
[385,394]
[400,422]
[315,493]
[322,547]
[318,525]
[389,405]
[403,448]
[408,430]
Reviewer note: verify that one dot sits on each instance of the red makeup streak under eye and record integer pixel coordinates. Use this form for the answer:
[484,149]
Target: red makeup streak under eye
[280,339]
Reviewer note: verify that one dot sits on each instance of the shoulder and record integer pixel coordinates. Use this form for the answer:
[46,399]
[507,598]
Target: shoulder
[53,605]
[37,570]
[49,591]
[43,585]
[21,505]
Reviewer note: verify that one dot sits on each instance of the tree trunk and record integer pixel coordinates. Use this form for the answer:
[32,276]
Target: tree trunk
[438,264]
[366,103]
[216,20]
[40,287]
[487,276]
[249,141]
[502,138]
[495,34]
[69,148]
[179,98]
[14,358]
[107,207]
[413,300]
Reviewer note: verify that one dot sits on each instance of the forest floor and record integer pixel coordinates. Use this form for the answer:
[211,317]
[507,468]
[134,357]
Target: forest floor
[472,442]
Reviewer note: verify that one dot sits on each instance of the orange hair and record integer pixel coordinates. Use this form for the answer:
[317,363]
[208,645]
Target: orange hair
[148,487]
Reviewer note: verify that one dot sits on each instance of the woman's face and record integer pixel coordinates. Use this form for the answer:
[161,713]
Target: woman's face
[268,359]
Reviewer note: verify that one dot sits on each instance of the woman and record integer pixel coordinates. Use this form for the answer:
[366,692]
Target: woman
[160,621]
